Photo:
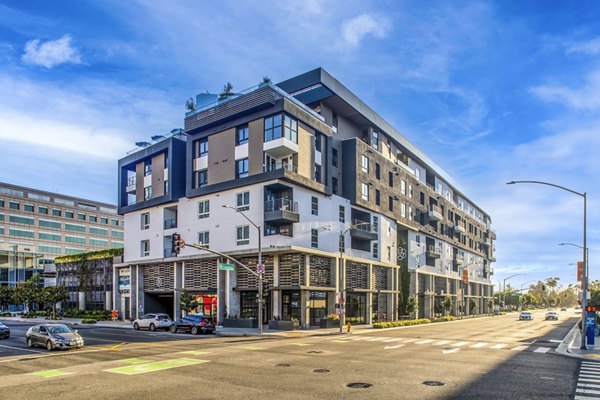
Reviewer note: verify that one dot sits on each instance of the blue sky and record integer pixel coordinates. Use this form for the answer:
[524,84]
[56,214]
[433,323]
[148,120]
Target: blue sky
[492,91]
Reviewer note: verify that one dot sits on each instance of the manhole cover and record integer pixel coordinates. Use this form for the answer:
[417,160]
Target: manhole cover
[321,370]
[434,383]
[314,352]
[284,365]
[359,385]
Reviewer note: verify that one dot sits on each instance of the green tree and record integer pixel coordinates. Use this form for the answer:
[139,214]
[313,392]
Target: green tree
[472,306]
[187,302]
[227,91]
[26,292]
[190,105]
[447,304]
[265,80]
[56,294]
[6,297]
[411,305]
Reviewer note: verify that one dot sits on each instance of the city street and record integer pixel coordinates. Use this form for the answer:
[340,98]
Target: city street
[494,357]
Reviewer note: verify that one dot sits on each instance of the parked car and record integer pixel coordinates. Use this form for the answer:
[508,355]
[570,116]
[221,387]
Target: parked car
[552,315]
[53,336]
[525,315]
[4,331]
[194,324]
[153,322]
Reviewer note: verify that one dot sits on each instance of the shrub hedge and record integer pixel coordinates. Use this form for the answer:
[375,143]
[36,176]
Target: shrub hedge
[394,324]
[88,321]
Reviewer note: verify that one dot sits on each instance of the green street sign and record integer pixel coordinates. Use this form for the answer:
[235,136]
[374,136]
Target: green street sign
[226,267]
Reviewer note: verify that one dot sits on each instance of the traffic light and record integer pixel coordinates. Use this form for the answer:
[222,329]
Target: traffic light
[176,243]
[265,289]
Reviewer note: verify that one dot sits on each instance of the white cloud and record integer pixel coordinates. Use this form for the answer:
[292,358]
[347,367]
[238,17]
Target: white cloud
[590,47]
[354,30]
[51,53]
[586,97]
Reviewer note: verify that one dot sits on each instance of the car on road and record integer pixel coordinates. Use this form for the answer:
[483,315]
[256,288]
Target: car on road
[563,309]
[153,322]
[4,331]
[552,315]
[194,324]
[53,336]
[525,315]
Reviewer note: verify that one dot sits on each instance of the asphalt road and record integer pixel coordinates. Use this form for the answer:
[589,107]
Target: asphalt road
[486,358]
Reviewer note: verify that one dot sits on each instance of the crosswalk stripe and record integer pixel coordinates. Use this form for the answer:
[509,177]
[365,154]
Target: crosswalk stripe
[588,385]
[587,391]
[424,341]
[584,379]
[519,348]
[590,371]
[459,344]
[498,346]
[392,340]
[542,350]
[410,340]
[478,345]
[376,339]
[585,398]
[590,368]
[586,375]
[442,342]
[590,363]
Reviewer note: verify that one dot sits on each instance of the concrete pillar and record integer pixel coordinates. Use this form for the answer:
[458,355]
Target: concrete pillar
[428,312]
[81,298]
[371,285]
[304,309]
[133,292]
[178,287]
[369,306]
[275,293]
[139,271]
[116,295]
[108,304]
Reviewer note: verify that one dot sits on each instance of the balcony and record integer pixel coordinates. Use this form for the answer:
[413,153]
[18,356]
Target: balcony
[281,211]
[459,228]
[170,223]
[280,147]
[362,230]
[492,234]
[459,259]
[435,214]
[168,253]
[280,165]
[131,181]
[433,252]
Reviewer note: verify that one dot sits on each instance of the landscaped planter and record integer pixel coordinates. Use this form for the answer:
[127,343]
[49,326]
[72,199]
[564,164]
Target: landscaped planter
[240,323]
[280,325]
[329,323]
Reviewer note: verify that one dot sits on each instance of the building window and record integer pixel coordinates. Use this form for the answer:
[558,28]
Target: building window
[166,186]
[243,235]
[203,209]
[93,218]
[1,202]
[314,238]
[377,197]
[56,213]
[314,206]
[422,198]
[391,179]
[28,207]
[375,250]
[241,168]
[272,128]
[334,121]
[291,129]
[318,140]
[375,140]
[283,230]
[318,173]
[69,214]
[203,237]
[14,205]
[203,147]
[389,253]
[147,167]
[43,210]
[410,213]
[334,185]
[145,248]
[342,214]
[403,187]
[342,244]
[200,178]
[145,221]
[81,216]
[377,171]
[334,157]
[410,191]
[166,163]
[365,164]
[242,135]
[403,210]
[364,191]
[147,193]
[104,220]
[391,203]
[98,231]
[375,223]
[242,202]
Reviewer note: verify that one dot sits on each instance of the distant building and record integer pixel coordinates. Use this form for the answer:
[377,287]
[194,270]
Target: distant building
[51,225]
[350,212]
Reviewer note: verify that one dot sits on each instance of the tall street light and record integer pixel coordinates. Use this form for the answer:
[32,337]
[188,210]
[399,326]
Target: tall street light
[260,269]
[584,282]
[504,288]
[523,284]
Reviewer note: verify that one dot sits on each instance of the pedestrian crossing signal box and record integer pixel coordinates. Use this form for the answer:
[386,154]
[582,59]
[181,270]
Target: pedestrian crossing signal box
[591,309]
[590,325]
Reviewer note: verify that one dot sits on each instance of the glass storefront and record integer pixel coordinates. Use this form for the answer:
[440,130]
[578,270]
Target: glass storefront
[317,307]
[290,305]
[207,304]
[356,308]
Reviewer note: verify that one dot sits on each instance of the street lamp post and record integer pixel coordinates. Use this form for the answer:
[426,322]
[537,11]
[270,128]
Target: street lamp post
[504,289]
[587,256]
[584,282]
[259,268]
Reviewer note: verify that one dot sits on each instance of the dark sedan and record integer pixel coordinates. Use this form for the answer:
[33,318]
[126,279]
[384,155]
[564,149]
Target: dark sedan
[194,324]
[53,336]
[4,331]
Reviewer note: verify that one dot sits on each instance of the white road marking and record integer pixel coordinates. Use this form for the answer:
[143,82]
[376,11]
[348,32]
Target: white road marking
[590,371]
[590,376]
[587,391]
[519,348]
[478,345]
[583,379]
[410,340]
[588,385]
[424,341]
[442,342]
[392,340]
[542,350]
[376,339]
[393,347]
[20,348]
[499,346]
[585,398]
[590,367]
[459,344]
[450,351]
[547,377]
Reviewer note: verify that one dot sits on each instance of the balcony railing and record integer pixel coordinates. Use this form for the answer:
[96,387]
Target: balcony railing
[131,181]
[169,253]
[435,213]
[170,223]
[281,205]
[433,252]
[362,225]
[285,166]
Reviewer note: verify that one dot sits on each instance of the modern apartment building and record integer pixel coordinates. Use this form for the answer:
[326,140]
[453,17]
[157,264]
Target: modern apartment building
[50,225]
[346,208]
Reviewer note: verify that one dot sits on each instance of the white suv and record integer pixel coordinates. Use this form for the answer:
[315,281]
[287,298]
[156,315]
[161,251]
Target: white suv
[153,322]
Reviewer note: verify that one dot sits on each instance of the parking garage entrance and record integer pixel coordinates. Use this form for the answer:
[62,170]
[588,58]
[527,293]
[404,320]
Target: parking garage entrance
[159,303]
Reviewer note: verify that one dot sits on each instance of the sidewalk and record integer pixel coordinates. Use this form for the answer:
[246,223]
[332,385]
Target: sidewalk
[71,321]
[575,346]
